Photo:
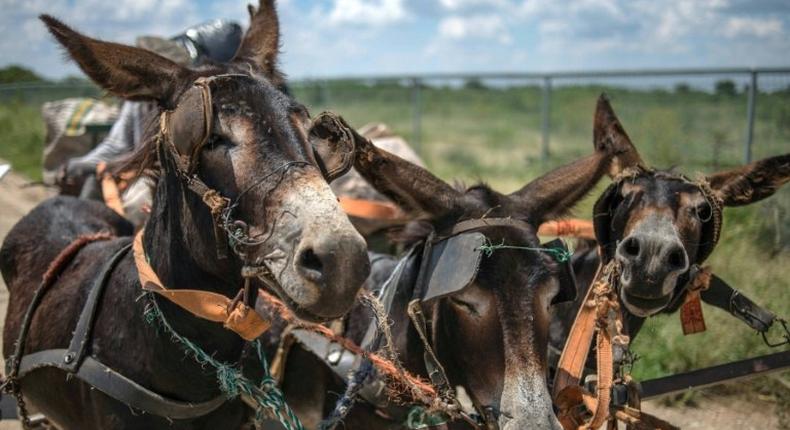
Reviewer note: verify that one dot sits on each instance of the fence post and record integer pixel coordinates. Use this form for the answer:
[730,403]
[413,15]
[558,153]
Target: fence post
[546,118]
[752,101]
[416,120]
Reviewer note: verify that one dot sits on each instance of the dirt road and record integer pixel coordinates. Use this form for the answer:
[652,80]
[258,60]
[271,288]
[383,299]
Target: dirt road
[716,412]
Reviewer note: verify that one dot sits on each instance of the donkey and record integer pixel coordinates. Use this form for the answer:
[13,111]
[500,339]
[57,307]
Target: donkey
[228,131]
[660,227]
[490,334]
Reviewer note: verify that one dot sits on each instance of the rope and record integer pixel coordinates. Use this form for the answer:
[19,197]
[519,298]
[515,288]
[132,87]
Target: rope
[229,377]
[345,402]
[559,254]
[421,390]
[356,380]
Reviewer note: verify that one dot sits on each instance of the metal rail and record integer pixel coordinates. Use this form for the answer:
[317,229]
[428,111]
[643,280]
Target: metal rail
[695,379]
[547,79]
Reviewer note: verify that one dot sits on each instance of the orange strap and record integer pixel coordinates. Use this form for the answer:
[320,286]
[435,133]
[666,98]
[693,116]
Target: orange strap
[204,304]
[371,209]
[581,228]
[594,317]
[109,189]
[577,347]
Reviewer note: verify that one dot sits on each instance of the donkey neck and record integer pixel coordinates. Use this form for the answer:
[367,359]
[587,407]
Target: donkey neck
[180,244]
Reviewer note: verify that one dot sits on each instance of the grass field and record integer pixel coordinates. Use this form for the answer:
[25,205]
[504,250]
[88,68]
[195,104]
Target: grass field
[493,134]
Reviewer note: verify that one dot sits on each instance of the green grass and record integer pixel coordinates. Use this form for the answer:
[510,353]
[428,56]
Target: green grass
[22,137]
[494,135]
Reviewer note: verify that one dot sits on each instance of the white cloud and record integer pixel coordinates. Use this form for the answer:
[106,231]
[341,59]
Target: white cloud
[758,27]
[454,5]
[476,26]
[375,12]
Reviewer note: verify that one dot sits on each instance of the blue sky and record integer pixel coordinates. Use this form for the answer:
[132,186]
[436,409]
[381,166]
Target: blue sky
[382,37]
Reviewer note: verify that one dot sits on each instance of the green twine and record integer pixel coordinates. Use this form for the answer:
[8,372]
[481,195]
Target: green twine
[560,255]
[230,379]
[419,418]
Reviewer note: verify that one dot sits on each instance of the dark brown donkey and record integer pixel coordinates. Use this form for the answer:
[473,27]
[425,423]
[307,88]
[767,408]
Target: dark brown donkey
[491,335]
[255,150]
[660,226]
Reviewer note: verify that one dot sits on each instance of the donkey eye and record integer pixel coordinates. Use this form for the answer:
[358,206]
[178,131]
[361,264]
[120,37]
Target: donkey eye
[216,141]
[704,212]
[464,305]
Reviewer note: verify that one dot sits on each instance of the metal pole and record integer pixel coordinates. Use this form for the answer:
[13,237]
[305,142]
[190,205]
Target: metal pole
[416,120]
[752,100]
[546,118]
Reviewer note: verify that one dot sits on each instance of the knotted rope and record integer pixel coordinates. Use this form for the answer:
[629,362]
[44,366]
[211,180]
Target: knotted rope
[418,389]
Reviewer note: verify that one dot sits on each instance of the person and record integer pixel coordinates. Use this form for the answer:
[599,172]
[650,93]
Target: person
[214,41]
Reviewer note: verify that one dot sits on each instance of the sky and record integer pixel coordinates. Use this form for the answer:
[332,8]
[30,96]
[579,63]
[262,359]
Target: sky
[330,38]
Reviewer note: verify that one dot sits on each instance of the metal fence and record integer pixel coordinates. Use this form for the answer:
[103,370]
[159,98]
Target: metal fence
[746,82]
[414,105]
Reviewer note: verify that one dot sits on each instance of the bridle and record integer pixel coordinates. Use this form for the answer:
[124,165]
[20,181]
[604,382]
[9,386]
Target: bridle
[229,232]
[603,216]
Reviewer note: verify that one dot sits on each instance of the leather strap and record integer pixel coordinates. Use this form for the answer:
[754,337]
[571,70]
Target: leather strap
[475,224]
[371,209]
[580,228]
[723,296]
[600,313]
[82,333]
[109,189]
[577,346]
[235,315]
[119,387]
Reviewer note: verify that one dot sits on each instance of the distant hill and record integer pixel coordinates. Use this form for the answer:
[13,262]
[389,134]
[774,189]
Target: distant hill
[16,73]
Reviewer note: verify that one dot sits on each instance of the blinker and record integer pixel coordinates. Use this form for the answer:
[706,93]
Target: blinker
[453,264]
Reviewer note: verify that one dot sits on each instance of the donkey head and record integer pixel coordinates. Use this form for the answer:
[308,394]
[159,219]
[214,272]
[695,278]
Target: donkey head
[658,224]
[491,336]
[231,127]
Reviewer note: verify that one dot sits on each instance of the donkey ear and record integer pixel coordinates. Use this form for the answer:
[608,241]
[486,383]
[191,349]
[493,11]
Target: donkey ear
[126,71]
[553,194]
[752,182]
[609,136]
[333,145]
[261,42]
[410,186]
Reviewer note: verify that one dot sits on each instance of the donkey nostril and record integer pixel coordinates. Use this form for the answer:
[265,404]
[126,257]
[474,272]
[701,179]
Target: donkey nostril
[311,264]
[631,247]
[311,261]
[676,258]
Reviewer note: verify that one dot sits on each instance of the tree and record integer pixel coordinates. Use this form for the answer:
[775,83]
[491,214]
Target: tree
[725,88]
[16,73]
[474,84]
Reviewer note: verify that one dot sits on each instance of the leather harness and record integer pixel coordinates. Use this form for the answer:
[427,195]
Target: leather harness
[236,315]
[76,361]
[600,316]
